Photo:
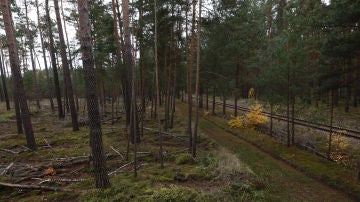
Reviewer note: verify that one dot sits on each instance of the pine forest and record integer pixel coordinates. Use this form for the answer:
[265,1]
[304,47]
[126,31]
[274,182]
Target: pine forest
[180,100]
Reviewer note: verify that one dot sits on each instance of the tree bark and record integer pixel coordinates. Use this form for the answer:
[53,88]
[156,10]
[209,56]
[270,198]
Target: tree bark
[213,101]
[331,123]
[16,74]
[53,61]
[66,70]
[197,83]
[33,64]
[70,57]
[207,98]
[96,143]
[189,64]
[128,60]
[157,87]
[50,88]
[292,119]
[3,81]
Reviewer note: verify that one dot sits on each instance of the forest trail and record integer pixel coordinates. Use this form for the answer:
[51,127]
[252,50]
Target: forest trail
[282,180]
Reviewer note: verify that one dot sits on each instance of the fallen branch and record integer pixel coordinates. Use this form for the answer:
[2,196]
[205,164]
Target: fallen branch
[7,168]
[178,136]
[58,180]
[117,152]
[24,186]
[47,143]
[119,169]
[9,151]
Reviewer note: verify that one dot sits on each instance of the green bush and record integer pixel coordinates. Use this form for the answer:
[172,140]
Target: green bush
[185,159]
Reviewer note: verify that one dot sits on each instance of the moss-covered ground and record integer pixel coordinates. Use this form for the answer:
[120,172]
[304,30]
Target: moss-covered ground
[215,174]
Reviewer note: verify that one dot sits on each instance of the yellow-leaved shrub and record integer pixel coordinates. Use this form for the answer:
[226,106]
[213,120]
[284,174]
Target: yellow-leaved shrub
[237,122]
[254,117]
[250,119]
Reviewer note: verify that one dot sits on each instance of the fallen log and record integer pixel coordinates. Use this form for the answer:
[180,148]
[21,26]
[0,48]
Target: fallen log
[25,186]
[178,136]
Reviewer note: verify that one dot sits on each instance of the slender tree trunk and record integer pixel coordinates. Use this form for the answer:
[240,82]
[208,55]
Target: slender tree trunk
[50,88]
[19,91]
[3,80]
[288,112]
[357,84]
[73,72]
[201,97]
[157,87]
[66,70]
[331,124]
[207,98]
[237,86]
[128,59]
[134,119]
[176,62]
[31,47]
[19,121]
[96,143]
[347,98]
[190,63]
[142,62]
[166,79]
[271,118]
[292,119]
[213,101]
[4,74]
[53,61]
[197,82]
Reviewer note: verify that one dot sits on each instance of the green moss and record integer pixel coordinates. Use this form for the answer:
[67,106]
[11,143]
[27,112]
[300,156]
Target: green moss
[6,115]
[173,193]
[185,159]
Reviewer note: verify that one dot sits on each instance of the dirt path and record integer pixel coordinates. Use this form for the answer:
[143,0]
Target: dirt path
[284,182]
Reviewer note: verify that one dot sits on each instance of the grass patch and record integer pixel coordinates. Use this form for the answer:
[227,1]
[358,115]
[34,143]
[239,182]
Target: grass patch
[185,159]
[314,166]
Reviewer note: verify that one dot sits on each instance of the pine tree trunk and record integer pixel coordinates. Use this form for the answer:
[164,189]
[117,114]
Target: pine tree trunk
[3,81]
[128,60]
[157,87]
[73,72]
[142,63]
[50,88]
[197,89]
[213,101]
[189,63]
[96,143]
[19,91]
[19,121]
[271,118]
[66,70]
[207,98]
[331,124]
[176,63]
[237,77]
[292,119]
[53,61]
[201,96]
[31,47]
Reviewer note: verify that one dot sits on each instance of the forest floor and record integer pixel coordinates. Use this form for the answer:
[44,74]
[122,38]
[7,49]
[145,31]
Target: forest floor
[227,167]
